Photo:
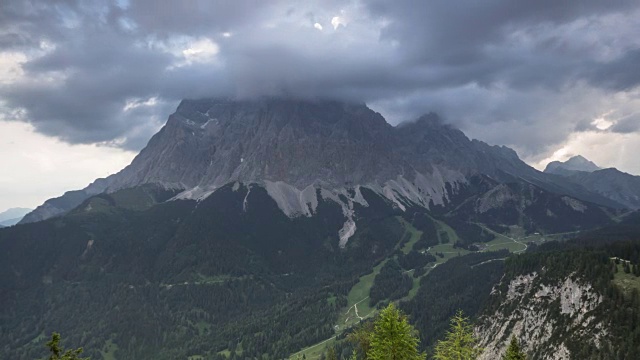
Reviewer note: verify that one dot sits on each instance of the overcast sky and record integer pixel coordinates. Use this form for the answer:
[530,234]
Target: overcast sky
[84,84]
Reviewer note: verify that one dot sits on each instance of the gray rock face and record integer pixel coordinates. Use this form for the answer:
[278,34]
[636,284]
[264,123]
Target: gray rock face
[544,317]
[210,143]
[291,145]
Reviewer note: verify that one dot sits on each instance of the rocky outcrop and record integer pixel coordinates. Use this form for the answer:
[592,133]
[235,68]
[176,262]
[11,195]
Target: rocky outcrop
[544,317]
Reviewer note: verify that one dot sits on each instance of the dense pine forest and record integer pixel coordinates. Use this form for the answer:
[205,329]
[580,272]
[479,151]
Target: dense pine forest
[217,280]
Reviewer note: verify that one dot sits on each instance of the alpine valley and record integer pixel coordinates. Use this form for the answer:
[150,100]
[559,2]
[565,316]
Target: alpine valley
[267,228]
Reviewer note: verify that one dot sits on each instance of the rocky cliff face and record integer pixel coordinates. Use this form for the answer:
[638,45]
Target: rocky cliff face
[294,147]
[210,143]
[545,317]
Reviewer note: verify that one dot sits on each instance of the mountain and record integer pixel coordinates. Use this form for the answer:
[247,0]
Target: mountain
[257,228]
[576,163]
[611,183]
[13,216]
[616,185]
[531,208]
[295,146]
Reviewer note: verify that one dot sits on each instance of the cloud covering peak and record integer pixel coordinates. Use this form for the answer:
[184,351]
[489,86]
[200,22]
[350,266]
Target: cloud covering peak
[532,75]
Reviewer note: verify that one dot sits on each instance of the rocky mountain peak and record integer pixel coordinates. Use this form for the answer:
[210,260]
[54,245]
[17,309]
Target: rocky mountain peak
[576,163]
[293,146]
[213,142]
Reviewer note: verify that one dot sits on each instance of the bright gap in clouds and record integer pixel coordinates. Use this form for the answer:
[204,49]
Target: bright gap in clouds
[48,167]
[602,123]
[201,50]
[338,20]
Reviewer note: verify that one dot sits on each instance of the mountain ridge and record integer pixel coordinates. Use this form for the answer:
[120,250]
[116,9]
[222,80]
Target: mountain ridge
[611,183]
[298,144]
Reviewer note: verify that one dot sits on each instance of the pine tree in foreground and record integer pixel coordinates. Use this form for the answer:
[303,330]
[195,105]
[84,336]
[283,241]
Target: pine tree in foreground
[513,351]
[58,353]
[459,342]
[393,338]
[361,339]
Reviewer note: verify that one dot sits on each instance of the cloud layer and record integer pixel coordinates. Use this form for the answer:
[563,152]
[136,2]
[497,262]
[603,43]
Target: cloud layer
[533,75]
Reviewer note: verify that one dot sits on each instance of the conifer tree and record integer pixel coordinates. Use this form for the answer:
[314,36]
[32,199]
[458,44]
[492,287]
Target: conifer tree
[361,337]
[513,351]
[331,354]
[58,353]
[459,342]
[393,338]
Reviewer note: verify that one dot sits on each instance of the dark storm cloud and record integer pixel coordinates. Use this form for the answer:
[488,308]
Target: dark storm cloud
[621,74]
[490,67]
[520,43]
[197,16]
[629,124]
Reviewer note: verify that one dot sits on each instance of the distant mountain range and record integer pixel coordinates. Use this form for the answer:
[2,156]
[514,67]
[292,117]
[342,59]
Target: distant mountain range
[611,183]
[13,216]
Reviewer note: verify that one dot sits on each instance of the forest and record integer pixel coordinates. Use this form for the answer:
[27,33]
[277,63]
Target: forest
[215,280]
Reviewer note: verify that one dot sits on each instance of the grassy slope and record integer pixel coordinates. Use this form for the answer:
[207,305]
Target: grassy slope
[358,297]
[109,350]
[415,235]
[514,242]
[359,293]
[627,282]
